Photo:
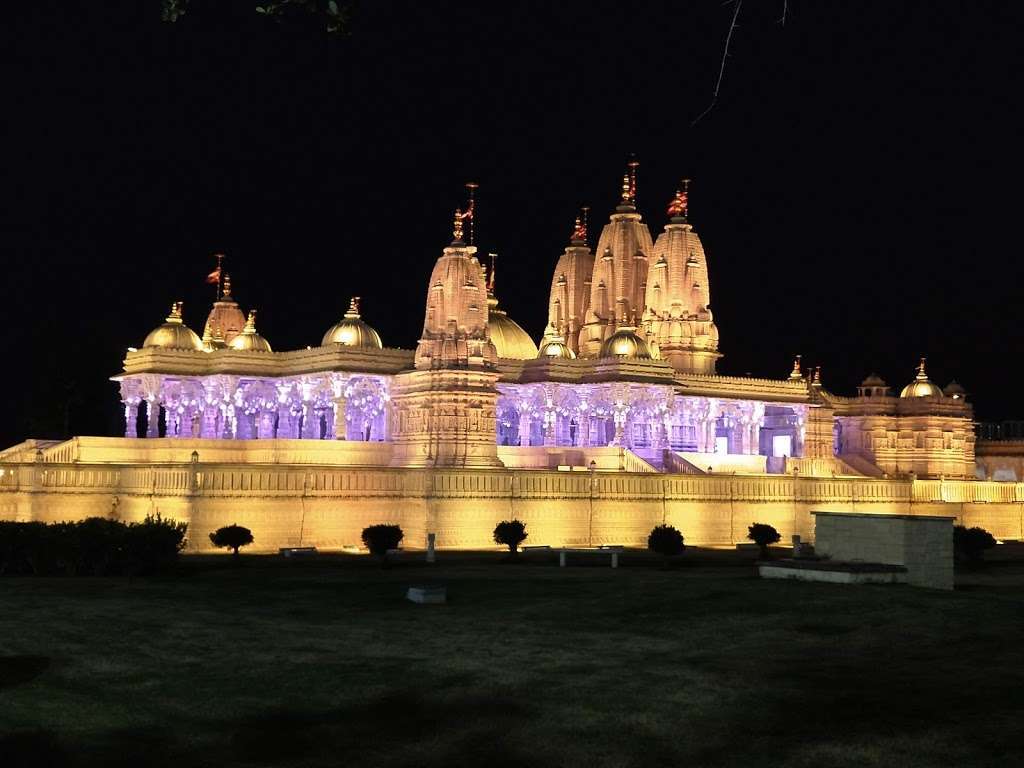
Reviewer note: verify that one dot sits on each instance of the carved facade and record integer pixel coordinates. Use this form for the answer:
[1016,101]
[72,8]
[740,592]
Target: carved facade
[448,436]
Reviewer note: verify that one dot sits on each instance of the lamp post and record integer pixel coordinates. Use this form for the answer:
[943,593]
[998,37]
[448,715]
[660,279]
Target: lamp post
[590,522]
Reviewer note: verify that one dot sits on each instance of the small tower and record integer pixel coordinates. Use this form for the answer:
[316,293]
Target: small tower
[619,280]
[569,298]
[677,315]
[443,412]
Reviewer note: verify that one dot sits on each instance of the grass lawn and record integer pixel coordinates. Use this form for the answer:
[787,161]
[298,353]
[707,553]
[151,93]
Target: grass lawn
[323,662]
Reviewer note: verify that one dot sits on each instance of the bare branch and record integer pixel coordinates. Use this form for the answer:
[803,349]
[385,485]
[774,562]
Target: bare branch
[785,8]
[721,70]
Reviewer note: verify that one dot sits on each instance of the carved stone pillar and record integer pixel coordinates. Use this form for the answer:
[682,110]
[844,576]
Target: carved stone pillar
[210,417]
[619,418]
[340,418]
[584,438]
[524,427]
[131,418]
[550,422]
[228,422]
[265,424]
[152,418]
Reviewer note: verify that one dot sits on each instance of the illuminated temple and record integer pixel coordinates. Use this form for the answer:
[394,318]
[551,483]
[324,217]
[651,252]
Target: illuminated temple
[616,421]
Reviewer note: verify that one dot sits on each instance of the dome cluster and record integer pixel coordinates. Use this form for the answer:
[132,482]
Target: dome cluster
[227,328]
[921,387]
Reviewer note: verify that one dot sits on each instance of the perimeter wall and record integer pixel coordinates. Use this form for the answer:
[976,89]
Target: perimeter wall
[328,506]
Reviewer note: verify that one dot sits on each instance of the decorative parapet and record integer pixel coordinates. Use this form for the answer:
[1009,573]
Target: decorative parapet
[336,357]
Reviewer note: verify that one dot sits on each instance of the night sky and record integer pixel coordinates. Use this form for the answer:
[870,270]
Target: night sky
[855,187]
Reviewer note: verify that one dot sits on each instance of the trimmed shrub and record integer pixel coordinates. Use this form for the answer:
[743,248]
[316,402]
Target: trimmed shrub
[511,533]
[666,540]
[380,538]
[232,537]
[763,534]
[93,547]
[970,543]
[153,545]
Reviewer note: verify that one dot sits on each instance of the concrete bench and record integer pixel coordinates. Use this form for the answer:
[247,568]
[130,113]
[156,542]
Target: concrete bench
[833,571]
[427,595]
[605,550]
[297,551]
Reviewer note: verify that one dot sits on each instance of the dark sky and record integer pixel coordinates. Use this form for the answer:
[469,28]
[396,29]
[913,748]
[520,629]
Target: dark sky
[856,187]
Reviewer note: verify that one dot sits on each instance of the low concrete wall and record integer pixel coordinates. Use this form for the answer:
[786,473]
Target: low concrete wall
[922,544]
[327,505]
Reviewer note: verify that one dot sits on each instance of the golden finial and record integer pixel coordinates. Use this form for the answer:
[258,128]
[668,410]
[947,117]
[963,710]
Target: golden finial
[227,287]
[921,375]
[472,187]
[816,382]
[585,210]
[579,232]
[680,203]
[214,278]
[797,373]
[457,226]
[353,309]
[625,188]
[490,277]
[633,165]
[250,322]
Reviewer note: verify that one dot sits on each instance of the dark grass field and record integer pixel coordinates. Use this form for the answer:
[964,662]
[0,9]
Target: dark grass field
[323,662]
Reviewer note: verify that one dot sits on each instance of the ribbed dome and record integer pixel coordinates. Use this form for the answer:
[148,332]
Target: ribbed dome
[954,390]
[509,339]
[921,386]
[627,344]
[225,320]
[352,331]
[248,340]
[173,333]
[553,345]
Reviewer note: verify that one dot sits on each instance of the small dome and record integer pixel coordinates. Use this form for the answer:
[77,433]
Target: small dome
[510,340]
[921,386]
[873,380]
[225,320]
[553,345]
[955,391]
[508,337]
[352,331]
[248,340]
[626,343]
[173,333]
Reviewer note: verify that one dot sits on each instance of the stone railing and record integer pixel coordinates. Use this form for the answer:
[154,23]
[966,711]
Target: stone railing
[676,464]
[633,463]
[968,491]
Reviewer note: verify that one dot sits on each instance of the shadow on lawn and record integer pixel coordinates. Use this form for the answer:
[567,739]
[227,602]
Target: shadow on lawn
[399,728]
[18,670]
[382,728]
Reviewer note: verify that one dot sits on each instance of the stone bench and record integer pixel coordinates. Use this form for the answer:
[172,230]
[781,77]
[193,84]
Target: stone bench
[833,571]
[297,551]
[605,550]
[427,595]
